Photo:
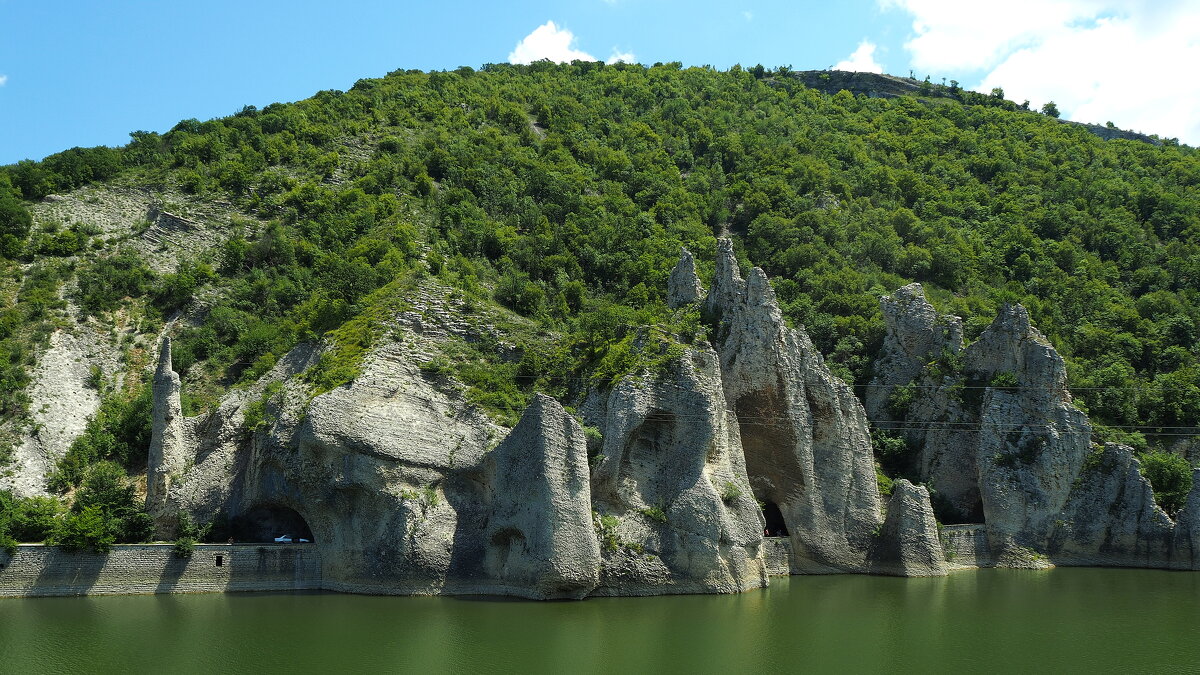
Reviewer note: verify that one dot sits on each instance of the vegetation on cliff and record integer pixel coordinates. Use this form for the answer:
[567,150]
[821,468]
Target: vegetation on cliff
[565,192]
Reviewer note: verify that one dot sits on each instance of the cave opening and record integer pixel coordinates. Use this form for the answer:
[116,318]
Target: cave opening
[268,522]
[776,527]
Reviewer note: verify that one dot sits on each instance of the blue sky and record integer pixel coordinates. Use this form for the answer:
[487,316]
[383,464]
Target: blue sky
[87,73]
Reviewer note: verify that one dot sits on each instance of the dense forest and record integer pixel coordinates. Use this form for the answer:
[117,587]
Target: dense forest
[564,192]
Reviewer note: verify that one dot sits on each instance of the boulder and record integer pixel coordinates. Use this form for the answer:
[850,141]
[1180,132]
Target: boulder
[539,538]
[908,544]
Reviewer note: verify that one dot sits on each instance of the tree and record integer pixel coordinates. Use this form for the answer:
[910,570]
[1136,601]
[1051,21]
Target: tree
[1171,478]
[1050,108]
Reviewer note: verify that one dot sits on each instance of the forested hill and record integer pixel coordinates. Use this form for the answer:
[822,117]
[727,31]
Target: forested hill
[565,192]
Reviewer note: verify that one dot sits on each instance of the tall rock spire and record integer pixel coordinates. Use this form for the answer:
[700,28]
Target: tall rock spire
[683,287]
[166,455]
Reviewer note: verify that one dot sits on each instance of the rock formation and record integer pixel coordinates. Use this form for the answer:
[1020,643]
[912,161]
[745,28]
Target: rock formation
[539,538]
[908,542]
[683,286]
[167,456]
[998,436]
[1186,535]
[916,335]
[674,480]
[803,431]
[1032,439]
[1111,518]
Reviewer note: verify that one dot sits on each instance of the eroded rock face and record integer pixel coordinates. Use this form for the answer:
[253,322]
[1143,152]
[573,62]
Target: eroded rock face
[803,431]
[998,436]
[908,543]
[675,508]
[683,286]
[1186,535]
[1111,518]
[916,334]
[539,538]
[168,446]
[1032,439]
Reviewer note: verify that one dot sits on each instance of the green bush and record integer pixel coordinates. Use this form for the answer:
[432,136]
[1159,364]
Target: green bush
[85,528]
[1171,478]
[106,510]
[184,547]
[730,492]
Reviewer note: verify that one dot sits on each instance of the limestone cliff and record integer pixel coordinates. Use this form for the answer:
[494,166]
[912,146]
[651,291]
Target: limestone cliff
[916,334]
[672,497]
[803,432]
[1111,518]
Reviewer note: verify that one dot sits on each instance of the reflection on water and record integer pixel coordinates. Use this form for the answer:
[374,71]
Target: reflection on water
[989,620]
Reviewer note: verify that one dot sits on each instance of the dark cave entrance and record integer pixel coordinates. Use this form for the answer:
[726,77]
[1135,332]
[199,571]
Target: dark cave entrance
[776,527]
[265,522]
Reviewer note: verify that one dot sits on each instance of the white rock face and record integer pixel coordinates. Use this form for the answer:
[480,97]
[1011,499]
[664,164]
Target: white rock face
[916,334]
[1032,439]
[674,476]
[803,431]
[908,542]
[539,538]
[1111,518]
[168,449]
[683,286]
[61,401]
[1186,535]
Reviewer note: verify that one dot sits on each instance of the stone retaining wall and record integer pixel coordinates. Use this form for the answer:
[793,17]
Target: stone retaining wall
[966,546]
[153,568]
[777,552]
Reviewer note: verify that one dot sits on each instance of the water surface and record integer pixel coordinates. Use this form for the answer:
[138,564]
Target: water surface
[1062,620]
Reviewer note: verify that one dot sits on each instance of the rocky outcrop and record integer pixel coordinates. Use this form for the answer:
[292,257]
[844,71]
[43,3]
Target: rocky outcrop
[803,432]
[1111,518]
[1032,440]
[683,286]
[1186,535]
[539,538]
[168,451]
[908,543]
[916,334]
[997,435]
[674,505]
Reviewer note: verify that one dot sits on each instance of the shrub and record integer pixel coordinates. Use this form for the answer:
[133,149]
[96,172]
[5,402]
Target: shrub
[184,547]
[655,513]
[1171,478]
[730,492]
[85,529]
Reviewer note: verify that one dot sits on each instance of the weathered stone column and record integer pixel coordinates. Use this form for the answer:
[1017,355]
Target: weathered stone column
[166,444]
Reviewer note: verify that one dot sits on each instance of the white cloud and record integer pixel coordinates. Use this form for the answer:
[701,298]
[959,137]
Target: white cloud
[1099,60]
[619,56]
[748,15]
[862,60]
[548,41]
[3,80]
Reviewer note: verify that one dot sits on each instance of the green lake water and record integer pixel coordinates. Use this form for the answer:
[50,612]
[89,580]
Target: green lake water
[1062,620]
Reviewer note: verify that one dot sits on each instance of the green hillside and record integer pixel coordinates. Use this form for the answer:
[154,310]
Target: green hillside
[564,193]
